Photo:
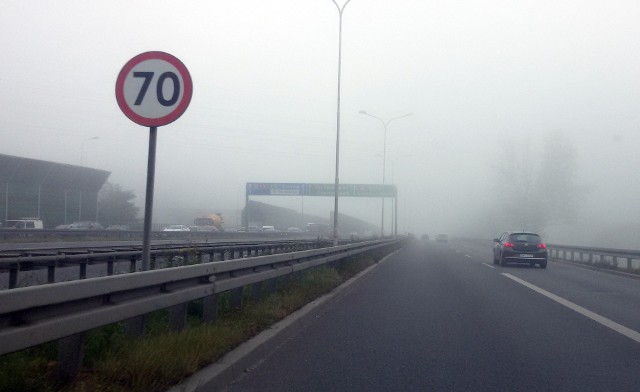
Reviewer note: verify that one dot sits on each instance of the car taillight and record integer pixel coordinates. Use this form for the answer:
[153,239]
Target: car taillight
[542,246]
[508,244]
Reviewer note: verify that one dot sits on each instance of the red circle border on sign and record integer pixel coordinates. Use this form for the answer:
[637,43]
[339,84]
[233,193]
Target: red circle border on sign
[177,112]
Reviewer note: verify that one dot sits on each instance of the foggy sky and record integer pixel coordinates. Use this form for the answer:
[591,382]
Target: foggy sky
[477,75]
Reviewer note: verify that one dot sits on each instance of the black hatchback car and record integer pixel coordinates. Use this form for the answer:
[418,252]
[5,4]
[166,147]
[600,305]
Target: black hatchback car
[520,247]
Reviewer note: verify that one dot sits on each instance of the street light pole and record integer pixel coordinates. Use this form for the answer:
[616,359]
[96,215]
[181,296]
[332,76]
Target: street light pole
[395,199]
[82,147]
[337,181]
[385,124]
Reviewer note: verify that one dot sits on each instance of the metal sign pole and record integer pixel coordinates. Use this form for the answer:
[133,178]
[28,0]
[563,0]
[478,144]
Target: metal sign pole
[148,204]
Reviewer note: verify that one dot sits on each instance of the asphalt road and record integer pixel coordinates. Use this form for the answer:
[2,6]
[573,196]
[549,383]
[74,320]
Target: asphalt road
[442,317]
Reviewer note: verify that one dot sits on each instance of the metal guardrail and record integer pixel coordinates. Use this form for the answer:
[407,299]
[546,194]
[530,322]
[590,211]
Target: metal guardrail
[65,311]
[18,235]
[618,259]
[18,262]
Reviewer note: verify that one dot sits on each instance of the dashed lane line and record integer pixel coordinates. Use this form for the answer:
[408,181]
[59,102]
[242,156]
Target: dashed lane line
[621,329]
[488,265]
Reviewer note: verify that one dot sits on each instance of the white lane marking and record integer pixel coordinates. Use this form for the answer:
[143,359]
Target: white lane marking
[489,265]
[621,329]
[467,256]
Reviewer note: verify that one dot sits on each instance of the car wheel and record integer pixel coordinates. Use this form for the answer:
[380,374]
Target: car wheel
[503,260]
[495,260]
[532,264]
[543,264]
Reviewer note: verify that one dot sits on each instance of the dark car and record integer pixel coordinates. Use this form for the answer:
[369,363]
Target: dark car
[520,247]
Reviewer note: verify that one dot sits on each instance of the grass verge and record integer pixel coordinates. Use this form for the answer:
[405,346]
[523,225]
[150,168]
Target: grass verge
[160,359]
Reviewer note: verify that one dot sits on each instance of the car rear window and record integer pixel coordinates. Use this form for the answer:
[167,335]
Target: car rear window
[530,238]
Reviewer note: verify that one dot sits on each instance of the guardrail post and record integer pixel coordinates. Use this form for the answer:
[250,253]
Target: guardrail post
[255,290]
[132,264]
[210,308]
[110,265]
[83,271]
[272,285]
[70,353]
[51,273]
[178,317]
[134,326]
[236,297]
[13,277]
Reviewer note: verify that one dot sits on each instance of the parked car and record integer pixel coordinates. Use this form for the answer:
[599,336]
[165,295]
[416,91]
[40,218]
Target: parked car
[520,247]
[176,228]
[269,229]
[294,230]
[85,225]
[442,237]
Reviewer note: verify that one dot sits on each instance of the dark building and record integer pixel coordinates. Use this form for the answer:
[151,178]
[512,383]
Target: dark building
[54,192]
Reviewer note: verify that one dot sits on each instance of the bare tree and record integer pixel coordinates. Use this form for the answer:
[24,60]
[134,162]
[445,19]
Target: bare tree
[115,205]
[538,187]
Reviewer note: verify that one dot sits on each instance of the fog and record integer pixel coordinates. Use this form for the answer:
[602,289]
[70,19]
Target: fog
[482,78]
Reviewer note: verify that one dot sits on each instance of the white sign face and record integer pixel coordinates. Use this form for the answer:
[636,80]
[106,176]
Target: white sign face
[154,89]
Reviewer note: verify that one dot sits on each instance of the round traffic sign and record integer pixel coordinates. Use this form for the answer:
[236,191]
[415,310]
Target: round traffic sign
[153,89]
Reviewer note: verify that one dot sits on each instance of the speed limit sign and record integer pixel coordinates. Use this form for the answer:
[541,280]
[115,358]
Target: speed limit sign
[153,89]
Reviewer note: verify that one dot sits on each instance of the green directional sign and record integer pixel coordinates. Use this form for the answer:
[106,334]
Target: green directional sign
[303,189]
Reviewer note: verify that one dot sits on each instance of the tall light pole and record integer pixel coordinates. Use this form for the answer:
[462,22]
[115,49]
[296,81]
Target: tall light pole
[82,147]
[337,183]
[385,124]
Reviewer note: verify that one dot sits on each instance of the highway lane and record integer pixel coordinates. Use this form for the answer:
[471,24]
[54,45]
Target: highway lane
[441,317]
[613,295]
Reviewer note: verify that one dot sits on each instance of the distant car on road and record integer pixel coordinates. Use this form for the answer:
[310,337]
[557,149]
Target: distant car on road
[294,230]
[118,228]
[85,225]
[269,229]
[176,228]
[442,237]
[23,223]
[520,247]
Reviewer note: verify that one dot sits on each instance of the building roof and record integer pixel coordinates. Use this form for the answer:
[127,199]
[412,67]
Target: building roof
[35,172]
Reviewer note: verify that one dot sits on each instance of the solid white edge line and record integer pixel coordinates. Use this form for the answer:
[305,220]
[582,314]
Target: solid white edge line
[621,329]
[488,265]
